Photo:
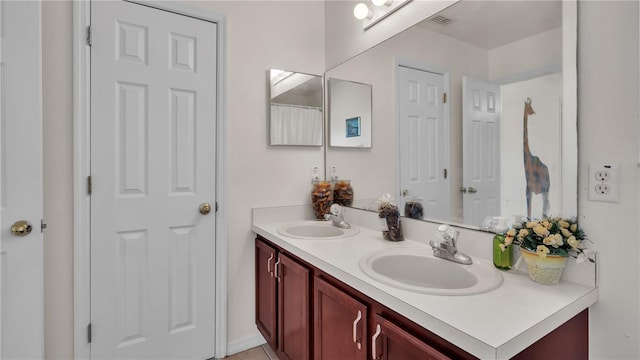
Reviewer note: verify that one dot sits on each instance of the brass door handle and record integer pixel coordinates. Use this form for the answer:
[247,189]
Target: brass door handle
[472,190]
[21,228]
[205,208]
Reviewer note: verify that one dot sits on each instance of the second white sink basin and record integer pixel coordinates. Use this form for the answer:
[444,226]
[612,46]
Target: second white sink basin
[316,230]
[419,271]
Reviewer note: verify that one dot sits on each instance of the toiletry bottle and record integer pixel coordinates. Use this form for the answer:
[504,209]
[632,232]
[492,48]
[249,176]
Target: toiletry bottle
[502,254]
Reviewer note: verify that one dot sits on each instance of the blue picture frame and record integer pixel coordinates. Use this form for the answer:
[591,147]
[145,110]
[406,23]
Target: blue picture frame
[353,127]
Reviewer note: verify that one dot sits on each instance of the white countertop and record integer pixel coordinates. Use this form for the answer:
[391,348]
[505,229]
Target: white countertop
[494,325]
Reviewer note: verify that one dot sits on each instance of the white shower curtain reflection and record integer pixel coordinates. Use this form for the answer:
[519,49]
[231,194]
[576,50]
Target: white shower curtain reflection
[296,125]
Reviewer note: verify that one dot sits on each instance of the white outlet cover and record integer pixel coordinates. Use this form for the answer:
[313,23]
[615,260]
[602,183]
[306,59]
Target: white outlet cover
[315,176]
[604,182]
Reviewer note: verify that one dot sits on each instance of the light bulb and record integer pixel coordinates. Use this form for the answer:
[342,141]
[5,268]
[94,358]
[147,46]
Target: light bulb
[361,11]
[381,2]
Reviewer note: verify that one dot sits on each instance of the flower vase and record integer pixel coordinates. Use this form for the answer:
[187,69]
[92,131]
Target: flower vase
[544,270]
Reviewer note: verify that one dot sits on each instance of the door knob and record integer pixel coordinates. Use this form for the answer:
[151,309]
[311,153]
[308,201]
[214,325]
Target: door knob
[472,190]
[463,190]
[405,192]
[205,208]
[21,228]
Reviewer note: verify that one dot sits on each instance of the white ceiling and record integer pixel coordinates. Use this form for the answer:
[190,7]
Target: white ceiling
[490,24]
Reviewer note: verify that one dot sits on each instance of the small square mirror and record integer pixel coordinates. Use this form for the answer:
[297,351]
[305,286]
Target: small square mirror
[296,116]
[349,114]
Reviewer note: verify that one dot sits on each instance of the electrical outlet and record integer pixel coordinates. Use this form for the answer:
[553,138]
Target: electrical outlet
[602,188]
[315,176]
[603,175]
[334,172]
[604,183]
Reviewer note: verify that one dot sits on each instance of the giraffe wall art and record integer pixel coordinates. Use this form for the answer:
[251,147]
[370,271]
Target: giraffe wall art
[536,172]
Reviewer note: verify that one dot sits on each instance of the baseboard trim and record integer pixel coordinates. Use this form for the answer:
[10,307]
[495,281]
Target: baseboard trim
[243,344]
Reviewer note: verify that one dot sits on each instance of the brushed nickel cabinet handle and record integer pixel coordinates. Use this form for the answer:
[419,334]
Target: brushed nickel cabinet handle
[269,264]
[355,330]
[275,269]
[374,339]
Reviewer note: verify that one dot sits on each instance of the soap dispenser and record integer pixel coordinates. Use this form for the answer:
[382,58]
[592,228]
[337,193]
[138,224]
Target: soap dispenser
[502,253]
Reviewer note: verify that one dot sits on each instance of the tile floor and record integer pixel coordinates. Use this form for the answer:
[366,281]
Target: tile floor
[263,352]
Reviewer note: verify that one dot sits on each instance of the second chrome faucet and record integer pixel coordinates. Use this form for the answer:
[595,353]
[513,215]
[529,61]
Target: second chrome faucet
[446,246]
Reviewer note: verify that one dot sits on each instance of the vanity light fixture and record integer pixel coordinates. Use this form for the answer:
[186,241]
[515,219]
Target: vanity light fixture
[362,11]
[382,2]
[371,15]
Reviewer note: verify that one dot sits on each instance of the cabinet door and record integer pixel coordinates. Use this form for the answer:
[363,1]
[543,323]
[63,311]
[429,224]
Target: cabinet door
[266,257]
[390,342]
[340,324]
[293,309]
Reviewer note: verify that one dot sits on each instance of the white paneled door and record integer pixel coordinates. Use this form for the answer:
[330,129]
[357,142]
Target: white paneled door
[481,109]
[21,181]
[153,123]
[423,141]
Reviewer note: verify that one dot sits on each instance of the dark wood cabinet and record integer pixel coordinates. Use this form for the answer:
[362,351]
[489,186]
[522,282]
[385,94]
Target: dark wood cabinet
[283,288]
[390,342]
[568,341]
[266,310]
[349,325]
[340,324]
[293,309]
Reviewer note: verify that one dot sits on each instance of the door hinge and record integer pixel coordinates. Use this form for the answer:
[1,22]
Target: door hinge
[445,173]
[42,225]
[89,333]
[89,37]
[89,185]
[216,206]
[444,98]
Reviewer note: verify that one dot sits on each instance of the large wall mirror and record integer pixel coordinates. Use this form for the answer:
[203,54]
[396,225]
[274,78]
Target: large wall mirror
[295,108]
[474,110]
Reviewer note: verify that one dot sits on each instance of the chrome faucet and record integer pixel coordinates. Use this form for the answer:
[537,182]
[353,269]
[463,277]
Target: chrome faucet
[336,217]
[445,246]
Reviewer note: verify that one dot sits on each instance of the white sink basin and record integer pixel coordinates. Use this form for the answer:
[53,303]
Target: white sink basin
[419,271]
[316,230]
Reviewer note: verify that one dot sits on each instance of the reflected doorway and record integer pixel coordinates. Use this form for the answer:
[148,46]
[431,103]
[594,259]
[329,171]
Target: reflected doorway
[423,127]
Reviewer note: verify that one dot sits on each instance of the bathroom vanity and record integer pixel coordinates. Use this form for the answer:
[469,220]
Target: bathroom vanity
[313,300]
